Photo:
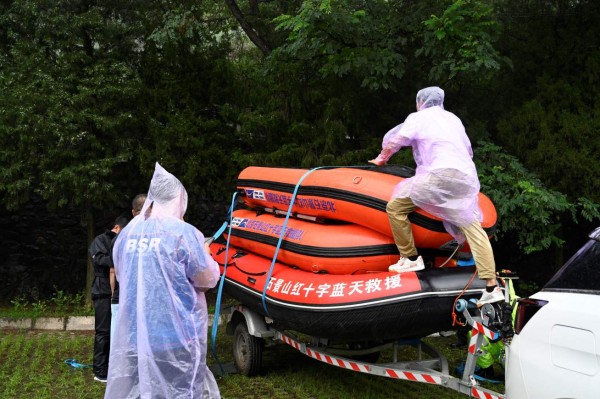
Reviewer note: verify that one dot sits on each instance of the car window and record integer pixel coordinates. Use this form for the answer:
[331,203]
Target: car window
[581,273]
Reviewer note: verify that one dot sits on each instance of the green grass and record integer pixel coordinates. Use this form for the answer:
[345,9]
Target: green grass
[59,305]
[32,366]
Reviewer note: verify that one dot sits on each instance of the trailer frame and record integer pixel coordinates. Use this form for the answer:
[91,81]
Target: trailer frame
[252,332]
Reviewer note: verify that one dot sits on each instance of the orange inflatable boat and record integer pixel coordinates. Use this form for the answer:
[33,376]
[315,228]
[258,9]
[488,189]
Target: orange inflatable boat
[353,307]
[331,248]
[354,195]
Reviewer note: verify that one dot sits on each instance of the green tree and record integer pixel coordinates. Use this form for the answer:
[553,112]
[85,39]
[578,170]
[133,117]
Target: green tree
[187,83]
[460,43]
[335,77]
[555,132]
[69,91]
[94,93]
[548,106]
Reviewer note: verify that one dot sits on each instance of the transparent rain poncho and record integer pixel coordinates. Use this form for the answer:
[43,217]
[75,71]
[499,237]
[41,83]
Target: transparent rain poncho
[160,341]
[445,182]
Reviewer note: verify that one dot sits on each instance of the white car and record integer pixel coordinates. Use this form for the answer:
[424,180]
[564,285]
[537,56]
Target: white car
[555,352]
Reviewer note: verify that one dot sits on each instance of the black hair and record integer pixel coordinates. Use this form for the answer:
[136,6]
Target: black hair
[121,221]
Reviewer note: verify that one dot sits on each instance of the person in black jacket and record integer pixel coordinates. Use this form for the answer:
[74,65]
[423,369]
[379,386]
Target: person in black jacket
[101,253]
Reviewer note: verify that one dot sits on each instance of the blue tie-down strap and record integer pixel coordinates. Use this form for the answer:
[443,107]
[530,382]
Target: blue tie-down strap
[76,365]
[477,374]
[215,326]
[466,262]
[284,227]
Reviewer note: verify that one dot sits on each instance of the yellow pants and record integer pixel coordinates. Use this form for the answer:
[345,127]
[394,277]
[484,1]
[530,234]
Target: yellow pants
[481,248]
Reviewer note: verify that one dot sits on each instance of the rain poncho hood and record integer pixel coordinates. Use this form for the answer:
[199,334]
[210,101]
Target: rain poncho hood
[160,341]
[430,97]
[445,182]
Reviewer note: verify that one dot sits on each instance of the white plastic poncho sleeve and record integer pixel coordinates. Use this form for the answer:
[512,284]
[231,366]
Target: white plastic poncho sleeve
[445,182]
[160,343]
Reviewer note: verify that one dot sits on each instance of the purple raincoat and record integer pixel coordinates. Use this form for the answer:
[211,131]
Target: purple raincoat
[445,183]
[160,341]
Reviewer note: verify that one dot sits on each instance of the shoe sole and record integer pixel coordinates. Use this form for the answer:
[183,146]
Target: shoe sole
[480,303]
[408,269]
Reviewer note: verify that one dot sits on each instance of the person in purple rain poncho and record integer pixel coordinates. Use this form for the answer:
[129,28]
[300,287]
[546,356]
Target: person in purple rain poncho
[163,268]
[445,184]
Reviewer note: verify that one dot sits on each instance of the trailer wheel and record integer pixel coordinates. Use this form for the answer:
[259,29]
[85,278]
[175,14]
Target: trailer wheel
[247,350]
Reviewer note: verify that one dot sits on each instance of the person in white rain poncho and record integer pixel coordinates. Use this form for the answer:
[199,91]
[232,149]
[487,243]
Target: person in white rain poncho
[163,267]
[445,184]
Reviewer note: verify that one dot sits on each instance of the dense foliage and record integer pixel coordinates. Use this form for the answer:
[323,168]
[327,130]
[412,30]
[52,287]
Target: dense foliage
[93,93]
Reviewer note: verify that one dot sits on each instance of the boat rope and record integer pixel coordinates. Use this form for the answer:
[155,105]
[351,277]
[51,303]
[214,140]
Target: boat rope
[283,229]
[455,320]
[450,257]
[215,326]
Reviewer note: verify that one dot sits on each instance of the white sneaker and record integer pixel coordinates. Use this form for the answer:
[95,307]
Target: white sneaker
[406,265]
[490,297]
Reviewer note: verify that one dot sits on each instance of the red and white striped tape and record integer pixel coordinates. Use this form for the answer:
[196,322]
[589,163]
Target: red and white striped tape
[484,330]
[412,376]
[473,341]
[478,393]
[363,368]
[479,328]
[294,344]
[388,372]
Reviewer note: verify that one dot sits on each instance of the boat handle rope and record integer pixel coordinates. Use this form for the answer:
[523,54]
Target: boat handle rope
[215,326]
[284,227]
[234,264]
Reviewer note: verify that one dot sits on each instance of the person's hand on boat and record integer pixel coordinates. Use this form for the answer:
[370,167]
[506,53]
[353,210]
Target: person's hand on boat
[383,157]
[377,162]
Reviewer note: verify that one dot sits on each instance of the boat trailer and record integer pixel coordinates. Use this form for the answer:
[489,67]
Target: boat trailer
[252,331]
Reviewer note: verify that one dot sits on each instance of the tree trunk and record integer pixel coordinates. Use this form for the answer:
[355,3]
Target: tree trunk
[249,29]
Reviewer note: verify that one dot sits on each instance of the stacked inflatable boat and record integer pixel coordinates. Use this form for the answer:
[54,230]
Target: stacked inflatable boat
[311,250]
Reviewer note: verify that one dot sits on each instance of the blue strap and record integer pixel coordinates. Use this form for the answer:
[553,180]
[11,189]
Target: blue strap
[218,232]
[75,364]
[222,280]
[215,326]
[287,217]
